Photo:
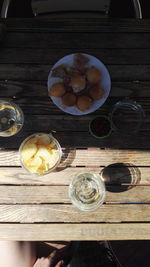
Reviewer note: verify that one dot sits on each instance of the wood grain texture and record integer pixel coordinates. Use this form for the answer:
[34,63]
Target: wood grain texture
[65,40]
[67,214]
[70,125]
[39,208]
[50,56]
[2,33]
[38,72]
[77,139]
[77,25]
[59,194]
[44,106]
[17,90]
[89,158]
[67,232]
[123,175]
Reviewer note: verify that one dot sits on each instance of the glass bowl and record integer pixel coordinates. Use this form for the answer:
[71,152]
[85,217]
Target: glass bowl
[37,150]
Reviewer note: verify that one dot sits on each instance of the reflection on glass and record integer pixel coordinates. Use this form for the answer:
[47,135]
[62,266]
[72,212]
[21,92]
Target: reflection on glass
[127,117]
[87,191]
[11,118]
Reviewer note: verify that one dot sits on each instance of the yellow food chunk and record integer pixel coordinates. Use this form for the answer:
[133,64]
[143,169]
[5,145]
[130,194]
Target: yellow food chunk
[40,154]
[51,146]
[43,168]
[44,154]
[36,161]
[54,158]
[28,151]
[33,169]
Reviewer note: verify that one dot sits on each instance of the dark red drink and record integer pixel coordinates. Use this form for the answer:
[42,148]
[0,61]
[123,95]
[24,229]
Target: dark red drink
[100,126]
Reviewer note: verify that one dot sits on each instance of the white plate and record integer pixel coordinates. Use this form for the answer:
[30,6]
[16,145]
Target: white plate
[105,83]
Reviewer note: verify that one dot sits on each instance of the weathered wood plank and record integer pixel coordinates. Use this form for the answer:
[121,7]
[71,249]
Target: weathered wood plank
[67,213]
[108,156]
[79,25]
[16,89]
[115,174]
[66,40]
[135,89]
[63,176]
[65,123]
[50,56]
[22,72]
[67,232]
[114,141]
[32,69]
[90,158]
[34,194]
[2,33]
[59,194]
[44,106]
[83,139]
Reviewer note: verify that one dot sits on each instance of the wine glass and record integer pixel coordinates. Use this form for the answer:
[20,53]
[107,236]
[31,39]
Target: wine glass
[87,191]
[11,118]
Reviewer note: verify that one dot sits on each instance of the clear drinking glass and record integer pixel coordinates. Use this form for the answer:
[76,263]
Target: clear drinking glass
[100,126]
[87,191]
[11,118]
[127,117]
[40,153]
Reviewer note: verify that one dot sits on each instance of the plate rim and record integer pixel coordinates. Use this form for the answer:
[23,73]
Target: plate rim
[80,112]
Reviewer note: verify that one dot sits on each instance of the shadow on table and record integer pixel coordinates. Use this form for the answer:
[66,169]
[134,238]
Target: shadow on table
[68,157]
[120,177]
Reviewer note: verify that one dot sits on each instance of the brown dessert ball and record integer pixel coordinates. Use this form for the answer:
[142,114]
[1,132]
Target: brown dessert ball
[84,102]
[96,92]
[69,99]
[78,83]
[57,90]
[93,75]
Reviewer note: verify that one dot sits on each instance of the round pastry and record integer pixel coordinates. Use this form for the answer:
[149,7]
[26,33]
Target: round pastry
[96,92]
[78,83]
[57,90]
[93,75]
[69,99]
[84,102]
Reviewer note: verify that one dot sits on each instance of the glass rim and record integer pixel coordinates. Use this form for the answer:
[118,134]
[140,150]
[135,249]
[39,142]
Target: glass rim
[17,107]
[134,107]
[101,200]
[108,118]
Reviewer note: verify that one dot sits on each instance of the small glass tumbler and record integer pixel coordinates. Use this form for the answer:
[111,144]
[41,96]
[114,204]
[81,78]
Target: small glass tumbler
[87,191]
[40,153]
[100,127]
[11,118]
[127,117]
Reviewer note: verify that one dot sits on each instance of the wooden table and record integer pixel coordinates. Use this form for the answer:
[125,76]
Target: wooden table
[38,208]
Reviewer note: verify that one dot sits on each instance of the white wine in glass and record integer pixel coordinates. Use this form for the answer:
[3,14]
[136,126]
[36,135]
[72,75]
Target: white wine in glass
[11,118]
[87,191]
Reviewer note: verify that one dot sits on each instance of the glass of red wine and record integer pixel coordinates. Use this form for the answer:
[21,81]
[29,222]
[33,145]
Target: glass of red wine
[100,126]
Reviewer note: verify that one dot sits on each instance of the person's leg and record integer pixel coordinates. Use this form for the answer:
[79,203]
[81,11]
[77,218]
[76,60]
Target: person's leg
[16,253]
